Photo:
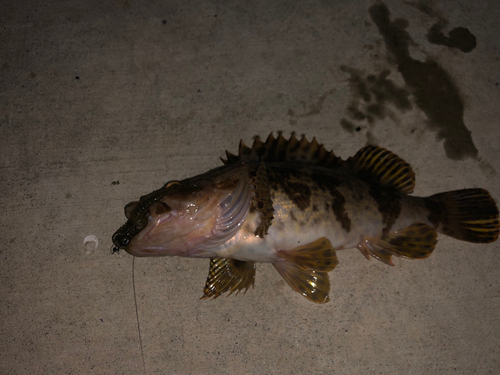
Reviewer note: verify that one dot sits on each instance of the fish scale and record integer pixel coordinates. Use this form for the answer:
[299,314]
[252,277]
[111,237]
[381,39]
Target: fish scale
[292,203]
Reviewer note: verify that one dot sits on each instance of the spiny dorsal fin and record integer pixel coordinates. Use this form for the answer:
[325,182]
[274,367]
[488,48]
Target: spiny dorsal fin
[282,149]
[378,164]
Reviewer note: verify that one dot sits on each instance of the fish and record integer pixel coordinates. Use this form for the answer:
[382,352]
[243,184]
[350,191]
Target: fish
[292,203]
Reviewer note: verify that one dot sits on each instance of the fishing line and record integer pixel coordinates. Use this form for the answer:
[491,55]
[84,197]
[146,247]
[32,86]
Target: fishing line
[137,315]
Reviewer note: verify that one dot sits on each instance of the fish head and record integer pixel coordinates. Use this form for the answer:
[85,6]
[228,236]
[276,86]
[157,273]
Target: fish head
[186,218]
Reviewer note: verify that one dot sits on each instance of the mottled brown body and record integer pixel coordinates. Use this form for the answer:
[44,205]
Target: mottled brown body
[316,194]
[292,203]
[313,195]
[311,202]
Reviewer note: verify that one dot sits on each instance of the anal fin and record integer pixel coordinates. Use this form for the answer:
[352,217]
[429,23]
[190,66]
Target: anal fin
[415,242]
[305,269]
[228,275]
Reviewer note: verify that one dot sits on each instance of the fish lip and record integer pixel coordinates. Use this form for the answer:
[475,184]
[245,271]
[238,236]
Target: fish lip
[125,234]
[122,237]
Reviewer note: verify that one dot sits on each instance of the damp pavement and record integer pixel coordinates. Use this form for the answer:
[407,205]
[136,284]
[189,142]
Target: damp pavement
[104,102]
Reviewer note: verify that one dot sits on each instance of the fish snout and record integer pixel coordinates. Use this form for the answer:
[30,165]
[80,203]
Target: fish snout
[121,238]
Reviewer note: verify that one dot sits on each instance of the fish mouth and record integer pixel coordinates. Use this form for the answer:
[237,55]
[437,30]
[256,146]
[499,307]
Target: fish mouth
[122,237]
[136,224]
[137,214]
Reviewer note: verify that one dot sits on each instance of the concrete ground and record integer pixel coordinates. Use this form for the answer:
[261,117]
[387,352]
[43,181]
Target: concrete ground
[102,102]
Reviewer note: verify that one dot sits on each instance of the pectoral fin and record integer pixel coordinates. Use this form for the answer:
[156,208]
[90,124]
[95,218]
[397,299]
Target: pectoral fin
[318,255]
[305,269]
[228,275]
[314,285]
[416,242]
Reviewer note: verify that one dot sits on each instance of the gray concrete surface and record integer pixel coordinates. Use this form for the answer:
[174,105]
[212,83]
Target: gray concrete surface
[102,102]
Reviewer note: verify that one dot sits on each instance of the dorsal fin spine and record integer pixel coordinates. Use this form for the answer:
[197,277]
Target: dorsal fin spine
[280,149]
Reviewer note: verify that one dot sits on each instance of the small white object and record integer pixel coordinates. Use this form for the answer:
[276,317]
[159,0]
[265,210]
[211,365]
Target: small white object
[90,243]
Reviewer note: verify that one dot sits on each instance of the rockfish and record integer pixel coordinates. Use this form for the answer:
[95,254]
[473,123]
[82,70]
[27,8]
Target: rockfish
[294,204]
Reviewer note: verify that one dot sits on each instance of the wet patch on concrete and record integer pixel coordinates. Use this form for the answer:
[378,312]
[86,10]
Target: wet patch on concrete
[310,110]
[460,37]
[372,98]
[349,126]
[372,94]
[435,92]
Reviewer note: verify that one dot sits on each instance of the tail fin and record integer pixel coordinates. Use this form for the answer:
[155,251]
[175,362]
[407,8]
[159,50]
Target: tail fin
[469,215]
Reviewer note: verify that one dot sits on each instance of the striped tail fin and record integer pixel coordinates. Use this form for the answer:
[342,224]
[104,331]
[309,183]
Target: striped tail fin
[468,215]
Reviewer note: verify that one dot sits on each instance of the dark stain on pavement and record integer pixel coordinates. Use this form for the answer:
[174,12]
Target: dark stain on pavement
[459,37]
[434,91]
